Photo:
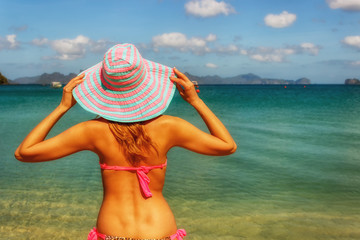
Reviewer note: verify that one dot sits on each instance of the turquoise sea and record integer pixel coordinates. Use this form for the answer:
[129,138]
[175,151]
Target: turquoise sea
[295,175]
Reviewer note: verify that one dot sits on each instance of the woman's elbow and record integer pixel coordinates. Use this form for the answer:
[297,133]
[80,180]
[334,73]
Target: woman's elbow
[21,156]
[18,156]
[232,148]
[228,150]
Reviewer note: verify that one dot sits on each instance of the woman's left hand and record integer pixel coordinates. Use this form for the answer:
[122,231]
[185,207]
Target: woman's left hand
[68,100]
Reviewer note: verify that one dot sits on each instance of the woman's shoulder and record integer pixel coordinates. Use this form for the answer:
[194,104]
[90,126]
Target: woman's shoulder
[95,123]
[167,121]
[168,118]
[168,125]
[93,127]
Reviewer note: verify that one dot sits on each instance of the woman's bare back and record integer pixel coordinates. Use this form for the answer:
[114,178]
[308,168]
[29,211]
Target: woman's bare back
[125,210]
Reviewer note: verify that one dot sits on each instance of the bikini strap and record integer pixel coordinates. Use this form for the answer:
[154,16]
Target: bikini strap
[141,173]
[180,233]
[104,166]
[94,234]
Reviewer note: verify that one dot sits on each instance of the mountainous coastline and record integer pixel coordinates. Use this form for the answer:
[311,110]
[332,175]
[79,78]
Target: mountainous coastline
[3,80]
[44,79]
[244,79]
[250,78]
[352,81]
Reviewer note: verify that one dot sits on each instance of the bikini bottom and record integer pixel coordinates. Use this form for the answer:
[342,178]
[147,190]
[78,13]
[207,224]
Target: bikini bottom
[93,235]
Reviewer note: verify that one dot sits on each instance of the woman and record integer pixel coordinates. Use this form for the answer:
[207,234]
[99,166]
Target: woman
[131,138]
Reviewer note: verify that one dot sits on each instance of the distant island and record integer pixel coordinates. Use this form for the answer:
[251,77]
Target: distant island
[3,80]
[46,79]
[245,79]
[352,81]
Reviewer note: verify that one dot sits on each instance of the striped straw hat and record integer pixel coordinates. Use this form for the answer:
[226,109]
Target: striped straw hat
[125,87]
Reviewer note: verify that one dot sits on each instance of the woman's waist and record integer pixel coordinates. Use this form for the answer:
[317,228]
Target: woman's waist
[136,220]
[135,207]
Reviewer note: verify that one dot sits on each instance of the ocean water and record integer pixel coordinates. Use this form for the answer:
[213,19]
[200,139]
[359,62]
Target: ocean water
[295,175]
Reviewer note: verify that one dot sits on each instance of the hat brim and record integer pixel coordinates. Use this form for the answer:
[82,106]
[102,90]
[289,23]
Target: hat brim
[148,100]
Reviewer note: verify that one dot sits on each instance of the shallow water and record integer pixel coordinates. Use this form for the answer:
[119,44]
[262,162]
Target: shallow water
[295,174]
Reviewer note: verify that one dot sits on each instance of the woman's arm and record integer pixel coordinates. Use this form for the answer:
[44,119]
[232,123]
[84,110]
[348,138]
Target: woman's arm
[218,142]
[36,148]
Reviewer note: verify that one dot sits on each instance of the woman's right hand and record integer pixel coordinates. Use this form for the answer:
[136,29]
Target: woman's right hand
[218,142]
[68,100]
[185,87]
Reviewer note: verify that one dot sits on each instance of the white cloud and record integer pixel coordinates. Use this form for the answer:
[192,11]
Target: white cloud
[196,45]
[268,54]
[211,65]
[70,49]
[199,46]
[100,46]
[40,41]
[281,20]
[352,41]
[9,42]
[208,8]
[229,49]
[268,57]
[310,48]
[12,40]
[279,55]
[181,42]
[349,5]
[211,37]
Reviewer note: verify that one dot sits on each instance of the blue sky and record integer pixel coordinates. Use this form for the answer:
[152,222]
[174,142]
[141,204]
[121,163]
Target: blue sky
[290,39]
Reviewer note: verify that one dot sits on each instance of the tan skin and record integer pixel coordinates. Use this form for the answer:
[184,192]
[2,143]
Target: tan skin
[124,211]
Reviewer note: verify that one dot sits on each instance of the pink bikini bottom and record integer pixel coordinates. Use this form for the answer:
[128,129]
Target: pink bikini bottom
[93,235]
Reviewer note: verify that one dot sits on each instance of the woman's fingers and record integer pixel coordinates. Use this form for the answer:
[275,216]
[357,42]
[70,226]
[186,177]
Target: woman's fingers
[74,82]
[68,99]
[180,74]
[185,87]
[179,88]
[183,80]
[177,84]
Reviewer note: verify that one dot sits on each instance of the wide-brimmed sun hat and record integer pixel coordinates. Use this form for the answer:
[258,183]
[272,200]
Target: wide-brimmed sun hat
[125,87]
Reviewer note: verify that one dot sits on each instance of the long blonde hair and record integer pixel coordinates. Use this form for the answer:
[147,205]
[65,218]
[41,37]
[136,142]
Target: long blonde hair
[135,142]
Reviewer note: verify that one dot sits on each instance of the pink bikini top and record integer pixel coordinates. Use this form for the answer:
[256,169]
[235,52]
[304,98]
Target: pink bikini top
[141,173]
